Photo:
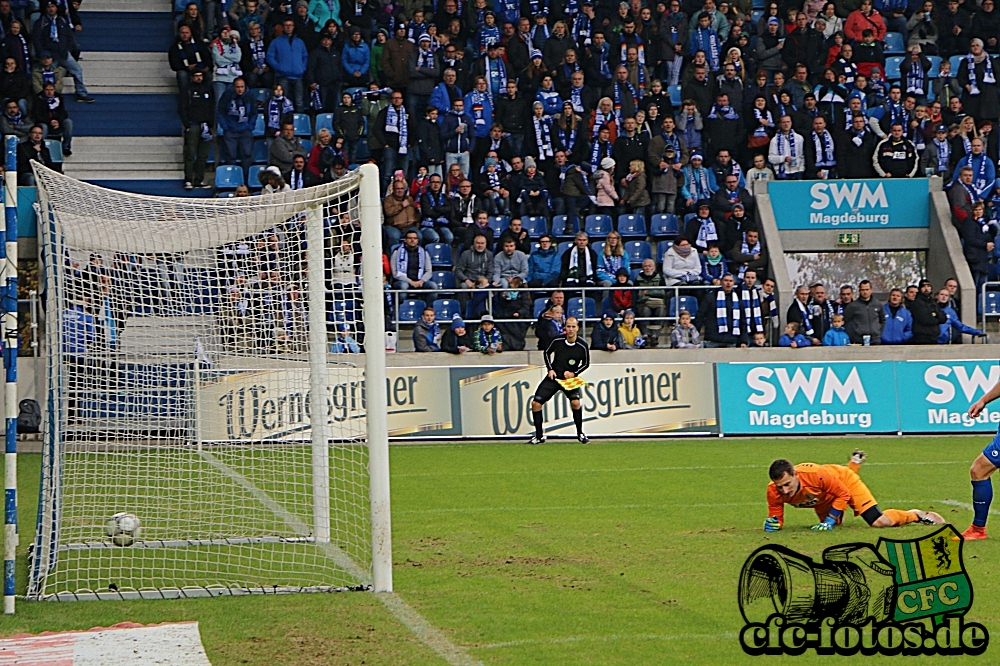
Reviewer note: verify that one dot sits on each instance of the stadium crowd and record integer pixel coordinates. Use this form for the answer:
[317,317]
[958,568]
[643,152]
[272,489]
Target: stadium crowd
[642,124]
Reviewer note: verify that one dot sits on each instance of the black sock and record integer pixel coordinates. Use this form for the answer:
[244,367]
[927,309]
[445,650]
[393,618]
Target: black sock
[539,433]
[578,420]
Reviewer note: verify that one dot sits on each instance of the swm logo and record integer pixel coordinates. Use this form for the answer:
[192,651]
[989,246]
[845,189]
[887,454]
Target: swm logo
[847,194]
[766,392]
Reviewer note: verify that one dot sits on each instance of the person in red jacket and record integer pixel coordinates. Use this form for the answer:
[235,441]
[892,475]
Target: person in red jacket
[860,19]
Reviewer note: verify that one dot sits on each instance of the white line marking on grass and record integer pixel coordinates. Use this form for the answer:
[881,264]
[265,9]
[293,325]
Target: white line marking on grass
[619,470]
[607,639]
[963,505]
[421,628]
[605,507]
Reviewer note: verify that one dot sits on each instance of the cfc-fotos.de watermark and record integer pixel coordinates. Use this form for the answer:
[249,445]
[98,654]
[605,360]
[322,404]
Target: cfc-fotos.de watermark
[900,597]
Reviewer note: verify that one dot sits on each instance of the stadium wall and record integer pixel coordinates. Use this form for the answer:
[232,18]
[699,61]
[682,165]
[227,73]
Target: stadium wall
[875,390]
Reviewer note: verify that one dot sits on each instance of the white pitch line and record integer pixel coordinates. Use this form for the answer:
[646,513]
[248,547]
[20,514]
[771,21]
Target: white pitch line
[421,628]
[607,639]
[619,470]
[601,507]
[963,505]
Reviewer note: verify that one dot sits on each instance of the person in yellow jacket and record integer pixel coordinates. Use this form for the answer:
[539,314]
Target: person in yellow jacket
[631,335]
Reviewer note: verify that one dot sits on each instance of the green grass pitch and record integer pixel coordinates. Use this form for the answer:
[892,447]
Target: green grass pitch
[621,552]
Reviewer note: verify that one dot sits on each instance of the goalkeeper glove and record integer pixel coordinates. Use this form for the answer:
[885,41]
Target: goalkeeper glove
[826,525]
[772,524]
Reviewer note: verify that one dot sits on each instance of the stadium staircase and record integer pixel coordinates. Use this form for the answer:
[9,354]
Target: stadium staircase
[130,138]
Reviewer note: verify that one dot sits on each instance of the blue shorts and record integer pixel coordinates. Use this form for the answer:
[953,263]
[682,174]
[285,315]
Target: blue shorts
[992,450]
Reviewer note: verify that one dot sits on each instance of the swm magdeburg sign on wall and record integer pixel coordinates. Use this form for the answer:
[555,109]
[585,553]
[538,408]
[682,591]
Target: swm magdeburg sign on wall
[850,204]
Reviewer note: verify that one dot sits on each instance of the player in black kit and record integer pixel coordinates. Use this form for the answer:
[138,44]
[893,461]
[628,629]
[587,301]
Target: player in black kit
[565,358]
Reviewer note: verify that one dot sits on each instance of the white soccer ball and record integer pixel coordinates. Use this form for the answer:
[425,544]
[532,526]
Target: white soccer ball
[123,528]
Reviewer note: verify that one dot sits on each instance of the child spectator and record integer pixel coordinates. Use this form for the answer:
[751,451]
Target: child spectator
[792,338]
[759,340]
[420,183]
[345,342]
[631,335]
[760,171]
[427,333]
[487,338]
[713,266]
[621,298]
[348,123]
[836,336]
[279,111]
[685,335]
[605,336]
[457,339]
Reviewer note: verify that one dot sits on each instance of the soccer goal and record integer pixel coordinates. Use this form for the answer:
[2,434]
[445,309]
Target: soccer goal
[215,420]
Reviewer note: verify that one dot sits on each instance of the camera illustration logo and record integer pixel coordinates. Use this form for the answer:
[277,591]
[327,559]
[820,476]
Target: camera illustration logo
[905,597]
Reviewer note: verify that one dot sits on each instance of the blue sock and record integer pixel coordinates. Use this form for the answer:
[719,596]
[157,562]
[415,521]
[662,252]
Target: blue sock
[982,496]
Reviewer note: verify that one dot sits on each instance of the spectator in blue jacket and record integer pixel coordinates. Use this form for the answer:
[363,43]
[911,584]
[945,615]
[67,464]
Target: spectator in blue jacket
[544,264]
[356,59]
[288,57]
[837,336]
[457,136]
[898,329]
[951,332]
[792,338]
[983,170]
[237,115]
[54,34]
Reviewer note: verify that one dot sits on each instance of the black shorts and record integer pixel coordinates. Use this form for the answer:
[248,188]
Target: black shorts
[548,388]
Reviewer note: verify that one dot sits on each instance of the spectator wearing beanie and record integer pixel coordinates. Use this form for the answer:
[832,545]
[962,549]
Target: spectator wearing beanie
[226,56]
[323,75]
[53,33]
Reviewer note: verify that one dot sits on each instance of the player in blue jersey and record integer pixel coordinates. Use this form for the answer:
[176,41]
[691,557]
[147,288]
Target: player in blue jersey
[982,468]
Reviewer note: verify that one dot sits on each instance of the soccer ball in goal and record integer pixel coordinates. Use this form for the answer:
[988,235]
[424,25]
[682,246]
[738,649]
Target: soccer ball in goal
[210,364]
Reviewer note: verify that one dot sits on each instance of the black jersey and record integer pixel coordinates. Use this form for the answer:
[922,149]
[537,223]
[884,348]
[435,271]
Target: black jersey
[562,356]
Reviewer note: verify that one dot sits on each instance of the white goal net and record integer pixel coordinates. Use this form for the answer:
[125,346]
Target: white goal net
[206,373]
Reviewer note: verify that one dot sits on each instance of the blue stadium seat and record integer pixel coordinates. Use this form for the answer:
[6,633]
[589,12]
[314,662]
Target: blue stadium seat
[443,279]
[211,154]
[598,225]
[440,255]
[55,150]
[632,226]
[259,126]
[633,274]
[536,246]
[343,311]
[575,308]
[598,247]
[758,4]
[992,303]
[303,126]
[559,229]
[661,249]
[892,63]
[228,177]
[224,195]
[894,44]
[363,153]
[689,303]
[539,306]
[410,311]
[260,155]
[956,62]
[675,95]
[535,225]
[261,95]
[755,16]
[445,309]
[324,121]
[565,245]
[253,176]
[935,69]
[498,223]
[664,224]
[638,251]
[308,145]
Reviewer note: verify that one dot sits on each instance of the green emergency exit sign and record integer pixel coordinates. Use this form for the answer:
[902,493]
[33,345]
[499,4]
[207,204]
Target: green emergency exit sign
[852,238]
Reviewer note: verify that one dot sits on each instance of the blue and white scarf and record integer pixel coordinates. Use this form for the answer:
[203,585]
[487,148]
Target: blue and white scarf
[276,108]
[576,99]
[257,53]
[414,30]
[697,183]
[618,99]
[850,70]
[825,156]
[943,155]
[488,35]
[758,115]
[425,58]
[49,76]
[543,136]
[537,7]
[988,77]
[403,261]
[478,107]
[597,153]
[725,112]
[316,99]
[396,122]
[641,69]
[571,8]
[295,180]
[509,10]
[599,120]
[751,309]
[746,249]
[496,76]
[53,29]
[567,138]
[602,59]
[539,35]
[705,39]
[725,321]
[707,233]
[582,30]
[806,320]
[790,139]
[675,143]
[979,181]
[897,113]
[915,79]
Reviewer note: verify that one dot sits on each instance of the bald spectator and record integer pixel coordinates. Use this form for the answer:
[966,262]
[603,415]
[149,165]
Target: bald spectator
[401,214]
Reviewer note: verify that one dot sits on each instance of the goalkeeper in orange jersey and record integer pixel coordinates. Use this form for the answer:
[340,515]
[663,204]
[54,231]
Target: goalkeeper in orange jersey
[829,490]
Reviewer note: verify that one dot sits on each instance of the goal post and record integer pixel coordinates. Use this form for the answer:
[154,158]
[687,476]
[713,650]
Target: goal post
[215,368]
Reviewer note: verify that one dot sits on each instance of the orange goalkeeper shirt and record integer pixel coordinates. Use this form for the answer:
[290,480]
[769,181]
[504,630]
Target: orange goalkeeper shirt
[823,487]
